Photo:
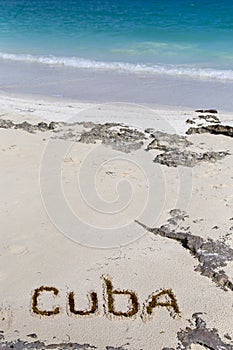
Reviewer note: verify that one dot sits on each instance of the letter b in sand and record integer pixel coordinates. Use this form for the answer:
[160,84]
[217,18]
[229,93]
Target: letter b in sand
[134,306]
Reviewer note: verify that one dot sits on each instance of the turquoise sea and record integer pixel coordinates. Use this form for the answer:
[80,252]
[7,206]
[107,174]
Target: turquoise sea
[176,37]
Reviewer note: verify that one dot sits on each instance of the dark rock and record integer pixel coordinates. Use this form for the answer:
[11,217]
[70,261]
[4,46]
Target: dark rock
[115,348]
[175,151]
[206,111]
[32,335]
[209,118]
[200,334]
[42,126]
[167,142]
[52,125]
[187,158]
[190,121]
[38,345]
[119,137]
[31,128]
[6,124]
[215,129]
[211,255]
[25,126]
[227,336]
[149,131]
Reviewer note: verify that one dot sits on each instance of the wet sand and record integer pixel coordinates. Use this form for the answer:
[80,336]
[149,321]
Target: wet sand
[100,86]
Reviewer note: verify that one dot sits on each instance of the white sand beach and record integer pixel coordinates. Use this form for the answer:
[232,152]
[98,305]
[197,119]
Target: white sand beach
[70,194]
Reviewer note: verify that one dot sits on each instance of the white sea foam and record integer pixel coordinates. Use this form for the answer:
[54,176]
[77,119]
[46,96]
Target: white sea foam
[175,70]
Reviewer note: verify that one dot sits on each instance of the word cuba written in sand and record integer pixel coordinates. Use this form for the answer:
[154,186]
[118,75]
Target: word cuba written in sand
[164,298]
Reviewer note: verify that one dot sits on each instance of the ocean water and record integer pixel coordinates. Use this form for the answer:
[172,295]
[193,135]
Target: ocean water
[176,37]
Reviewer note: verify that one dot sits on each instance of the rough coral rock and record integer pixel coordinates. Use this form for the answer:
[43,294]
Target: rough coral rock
[211,255]
[187,158]
[215,129]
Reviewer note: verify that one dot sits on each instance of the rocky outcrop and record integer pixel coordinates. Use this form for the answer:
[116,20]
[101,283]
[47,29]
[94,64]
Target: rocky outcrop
[198,333]
[176,152]
[31,128]
[209,118]
[211,255]
[187,158]
[38,345]
[214,111]
[215,129]
[166,142]
[117,136]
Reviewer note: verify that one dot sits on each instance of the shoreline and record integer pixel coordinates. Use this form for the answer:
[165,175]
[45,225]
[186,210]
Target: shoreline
[93,86]
[201,72]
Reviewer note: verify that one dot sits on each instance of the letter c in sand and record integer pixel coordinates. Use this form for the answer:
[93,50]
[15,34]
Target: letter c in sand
[35,296]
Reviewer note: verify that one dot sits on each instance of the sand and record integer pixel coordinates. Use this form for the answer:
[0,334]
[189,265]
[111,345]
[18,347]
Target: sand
[68,212]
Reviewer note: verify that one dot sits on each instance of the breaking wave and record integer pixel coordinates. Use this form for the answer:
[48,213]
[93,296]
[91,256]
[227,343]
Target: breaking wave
[76,62]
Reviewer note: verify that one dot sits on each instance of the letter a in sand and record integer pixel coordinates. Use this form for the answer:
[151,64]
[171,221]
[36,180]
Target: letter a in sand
[169,303]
